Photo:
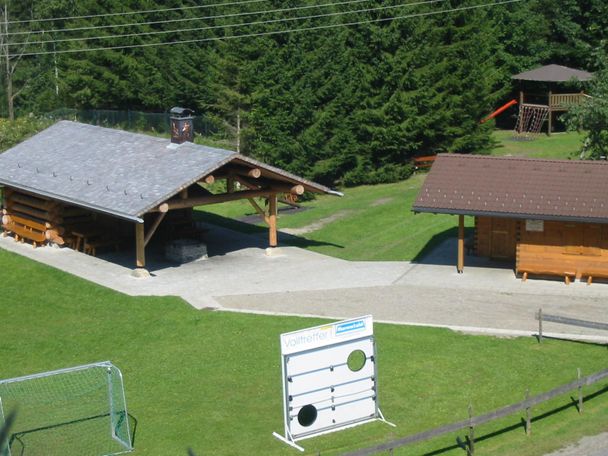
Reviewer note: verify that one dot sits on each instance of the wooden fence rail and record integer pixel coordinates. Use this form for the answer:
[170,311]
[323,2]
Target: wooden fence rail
[503,412]
[541,317]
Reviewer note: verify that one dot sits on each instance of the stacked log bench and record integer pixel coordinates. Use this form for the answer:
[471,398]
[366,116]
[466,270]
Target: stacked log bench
[543,267]
[559,266]
[39,220]
[31,218]
[23,228]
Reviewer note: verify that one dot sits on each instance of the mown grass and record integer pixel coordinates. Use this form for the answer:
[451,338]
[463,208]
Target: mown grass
[562,146]
[212,380]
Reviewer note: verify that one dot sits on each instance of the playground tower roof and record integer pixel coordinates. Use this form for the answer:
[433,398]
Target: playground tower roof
[554,73]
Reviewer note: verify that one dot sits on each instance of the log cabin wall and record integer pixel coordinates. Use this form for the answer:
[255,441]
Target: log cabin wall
[563,248]
[496,237]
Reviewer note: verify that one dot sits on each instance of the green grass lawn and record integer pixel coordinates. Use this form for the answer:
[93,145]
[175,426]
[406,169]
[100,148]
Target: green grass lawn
[212,380]
[562,146]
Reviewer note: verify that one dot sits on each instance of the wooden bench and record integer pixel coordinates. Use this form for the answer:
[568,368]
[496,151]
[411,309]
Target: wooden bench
[91,246]
[544,268]
[424,162]
[593,269]
[24,228]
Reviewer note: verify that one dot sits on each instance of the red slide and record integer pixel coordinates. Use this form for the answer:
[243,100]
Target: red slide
[499,111]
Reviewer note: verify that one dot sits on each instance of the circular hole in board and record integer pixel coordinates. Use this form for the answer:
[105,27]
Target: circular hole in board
[356,360]
[307,415]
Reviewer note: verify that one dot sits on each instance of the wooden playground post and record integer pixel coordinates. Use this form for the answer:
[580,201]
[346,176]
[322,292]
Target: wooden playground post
[521,103]
[550,116]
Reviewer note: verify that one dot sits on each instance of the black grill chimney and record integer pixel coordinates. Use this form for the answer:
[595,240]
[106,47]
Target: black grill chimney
[182,125]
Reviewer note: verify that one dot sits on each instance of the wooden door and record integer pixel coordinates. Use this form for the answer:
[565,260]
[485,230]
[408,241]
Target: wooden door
[502,239]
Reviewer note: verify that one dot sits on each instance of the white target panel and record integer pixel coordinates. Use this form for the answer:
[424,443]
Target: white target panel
[329,378]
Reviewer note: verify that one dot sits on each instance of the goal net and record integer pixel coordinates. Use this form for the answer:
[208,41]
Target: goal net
[80,410]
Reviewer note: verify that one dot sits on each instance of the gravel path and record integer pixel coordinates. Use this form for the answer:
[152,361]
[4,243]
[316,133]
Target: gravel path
[588,446]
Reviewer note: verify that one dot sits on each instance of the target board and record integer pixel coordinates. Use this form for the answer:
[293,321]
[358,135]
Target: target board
[329,379]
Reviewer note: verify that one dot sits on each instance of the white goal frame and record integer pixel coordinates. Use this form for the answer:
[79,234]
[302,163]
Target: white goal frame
[111,370]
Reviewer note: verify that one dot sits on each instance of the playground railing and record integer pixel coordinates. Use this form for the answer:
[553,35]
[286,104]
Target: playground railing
[563,101]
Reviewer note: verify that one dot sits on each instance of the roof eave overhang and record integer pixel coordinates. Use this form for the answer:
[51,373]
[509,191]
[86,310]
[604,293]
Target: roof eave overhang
[523,216]
[308,185]
[242,159]
[74,202]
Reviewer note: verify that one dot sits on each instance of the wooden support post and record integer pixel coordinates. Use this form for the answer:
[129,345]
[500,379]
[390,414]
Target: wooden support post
[272,220]
[229,184]
[471,438]
[580,391]
[540,325]
[259,210]
[140,245]
[550,116]
[528,415]
[460,244]
[152,229]
[521,103]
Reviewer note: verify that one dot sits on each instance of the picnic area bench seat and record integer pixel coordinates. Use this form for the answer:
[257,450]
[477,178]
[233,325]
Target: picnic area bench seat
[91,246]
[424,162]
[544,267]
[23,228]
[593,269]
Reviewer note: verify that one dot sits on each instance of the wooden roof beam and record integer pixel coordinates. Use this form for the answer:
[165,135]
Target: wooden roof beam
[225,197]
[254,173]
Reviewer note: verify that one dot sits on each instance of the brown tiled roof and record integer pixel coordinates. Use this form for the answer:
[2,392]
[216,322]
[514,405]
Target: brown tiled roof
[554,73]
[516,187]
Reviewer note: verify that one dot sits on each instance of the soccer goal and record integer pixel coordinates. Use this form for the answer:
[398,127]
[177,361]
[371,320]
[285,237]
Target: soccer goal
[81,411]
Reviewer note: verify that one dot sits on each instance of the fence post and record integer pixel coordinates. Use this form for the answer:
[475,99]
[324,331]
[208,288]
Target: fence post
[540,325]
[471,446]
[580,391]
[528,415]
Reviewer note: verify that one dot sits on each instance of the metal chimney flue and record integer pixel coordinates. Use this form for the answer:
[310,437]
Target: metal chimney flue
[182,125]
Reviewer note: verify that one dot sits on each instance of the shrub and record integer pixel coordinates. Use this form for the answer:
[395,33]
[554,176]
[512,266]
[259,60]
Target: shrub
[13,132]
[383,175]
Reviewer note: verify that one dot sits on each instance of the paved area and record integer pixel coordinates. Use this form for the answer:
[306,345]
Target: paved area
[239,276]
[587,446]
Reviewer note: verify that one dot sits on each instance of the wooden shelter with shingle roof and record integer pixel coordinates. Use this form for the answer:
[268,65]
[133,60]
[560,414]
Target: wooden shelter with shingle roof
[548,216]
[88,186]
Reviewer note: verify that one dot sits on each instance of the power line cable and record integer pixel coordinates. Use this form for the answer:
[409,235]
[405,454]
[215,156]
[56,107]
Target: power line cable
[168,21]
[212,27]
[131,13]
[269,33]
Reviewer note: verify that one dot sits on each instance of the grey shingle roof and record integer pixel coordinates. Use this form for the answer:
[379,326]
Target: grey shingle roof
[112,171]
[572,190]
[554,73]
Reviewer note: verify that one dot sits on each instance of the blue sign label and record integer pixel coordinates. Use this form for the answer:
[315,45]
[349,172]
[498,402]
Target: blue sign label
[350,326]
